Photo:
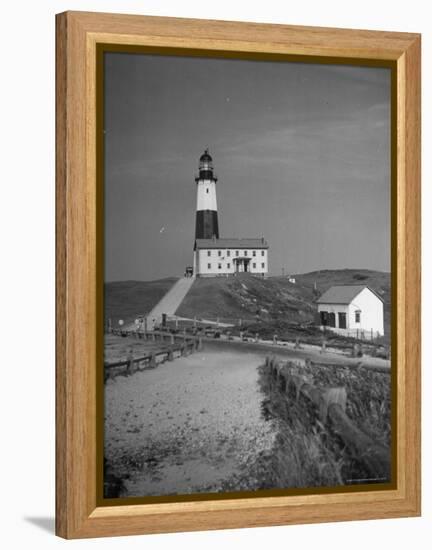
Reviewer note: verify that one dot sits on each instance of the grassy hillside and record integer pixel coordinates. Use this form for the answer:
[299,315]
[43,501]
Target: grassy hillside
[128,299]
[244,295]
[273,301]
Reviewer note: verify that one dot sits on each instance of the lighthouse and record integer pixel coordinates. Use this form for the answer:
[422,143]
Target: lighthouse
[206,226]
[213,256]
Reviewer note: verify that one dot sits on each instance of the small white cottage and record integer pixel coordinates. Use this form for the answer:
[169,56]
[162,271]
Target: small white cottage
[352,310]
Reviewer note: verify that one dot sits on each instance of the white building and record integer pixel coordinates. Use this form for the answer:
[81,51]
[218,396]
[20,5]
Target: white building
[352,310]
[213,257]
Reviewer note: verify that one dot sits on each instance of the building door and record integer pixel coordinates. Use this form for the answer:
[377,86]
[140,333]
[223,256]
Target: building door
[342,320]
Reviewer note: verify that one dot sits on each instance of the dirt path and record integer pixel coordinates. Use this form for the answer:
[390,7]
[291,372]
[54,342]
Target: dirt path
[288,352]
[192,425]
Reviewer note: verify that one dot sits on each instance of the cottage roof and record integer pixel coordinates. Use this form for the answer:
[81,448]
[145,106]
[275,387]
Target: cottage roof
[343,294]
[231,243]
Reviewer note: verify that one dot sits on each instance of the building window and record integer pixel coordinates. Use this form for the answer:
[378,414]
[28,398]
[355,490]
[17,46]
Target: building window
[228,253]
[219,266]
[237,252]
[357,316]
[254,266]
[245,252]
[208,252]
[208,266]
[228,266]
[219,253]
[342,320]
[263,265]
[207,190]
[331,320]
[254,253]
[262,252]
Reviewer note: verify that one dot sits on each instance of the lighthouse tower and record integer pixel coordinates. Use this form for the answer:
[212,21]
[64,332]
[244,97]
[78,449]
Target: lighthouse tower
[206,226]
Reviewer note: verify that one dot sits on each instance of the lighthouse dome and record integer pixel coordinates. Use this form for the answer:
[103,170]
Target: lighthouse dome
[205,167]
[205,157]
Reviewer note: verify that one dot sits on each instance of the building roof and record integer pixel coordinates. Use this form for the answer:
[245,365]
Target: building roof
[231,243]
[343,294]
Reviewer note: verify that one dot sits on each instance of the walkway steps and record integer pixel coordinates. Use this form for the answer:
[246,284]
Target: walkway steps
[170,302]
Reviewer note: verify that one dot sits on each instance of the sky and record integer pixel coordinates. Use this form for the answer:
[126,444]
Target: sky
[301,152]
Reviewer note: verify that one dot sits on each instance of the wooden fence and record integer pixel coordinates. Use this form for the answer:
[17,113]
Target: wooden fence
[330,404]
[178,346]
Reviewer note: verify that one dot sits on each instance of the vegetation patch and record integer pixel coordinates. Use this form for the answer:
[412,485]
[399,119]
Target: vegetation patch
[308,452]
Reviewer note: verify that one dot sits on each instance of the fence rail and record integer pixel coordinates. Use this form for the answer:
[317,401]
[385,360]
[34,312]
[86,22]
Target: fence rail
[330,404]
[183,347]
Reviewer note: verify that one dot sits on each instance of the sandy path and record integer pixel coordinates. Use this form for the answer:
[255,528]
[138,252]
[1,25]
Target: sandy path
[188,426]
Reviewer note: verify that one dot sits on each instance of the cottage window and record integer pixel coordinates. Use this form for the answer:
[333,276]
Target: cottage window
[237,252]
[331,320]
[254,253]
[208,266]
[228,253]
[219,266]
[263,265]
[208,252]
[245,252]
[228,266]
[262,252]
[219,253]
[357,316]
[254,266]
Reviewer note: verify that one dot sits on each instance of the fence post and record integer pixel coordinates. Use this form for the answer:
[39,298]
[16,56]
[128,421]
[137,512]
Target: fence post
[130,360]
[323,345]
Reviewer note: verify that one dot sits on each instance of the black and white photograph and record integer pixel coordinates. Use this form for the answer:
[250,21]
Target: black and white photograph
[247,276]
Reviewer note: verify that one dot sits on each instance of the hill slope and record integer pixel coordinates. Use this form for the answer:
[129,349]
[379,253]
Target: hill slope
[128,299]
[244,297]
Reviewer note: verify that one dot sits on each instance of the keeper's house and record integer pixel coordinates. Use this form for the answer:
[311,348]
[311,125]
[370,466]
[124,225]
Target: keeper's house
[352,310]
[213,257]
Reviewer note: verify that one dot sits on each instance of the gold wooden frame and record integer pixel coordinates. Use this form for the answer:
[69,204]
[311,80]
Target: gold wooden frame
[78,35]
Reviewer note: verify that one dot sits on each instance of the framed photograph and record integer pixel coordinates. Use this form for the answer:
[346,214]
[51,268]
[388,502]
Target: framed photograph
[238,275]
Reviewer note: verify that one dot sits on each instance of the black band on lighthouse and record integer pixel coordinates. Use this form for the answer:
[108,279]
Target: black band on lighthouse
[206,224]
